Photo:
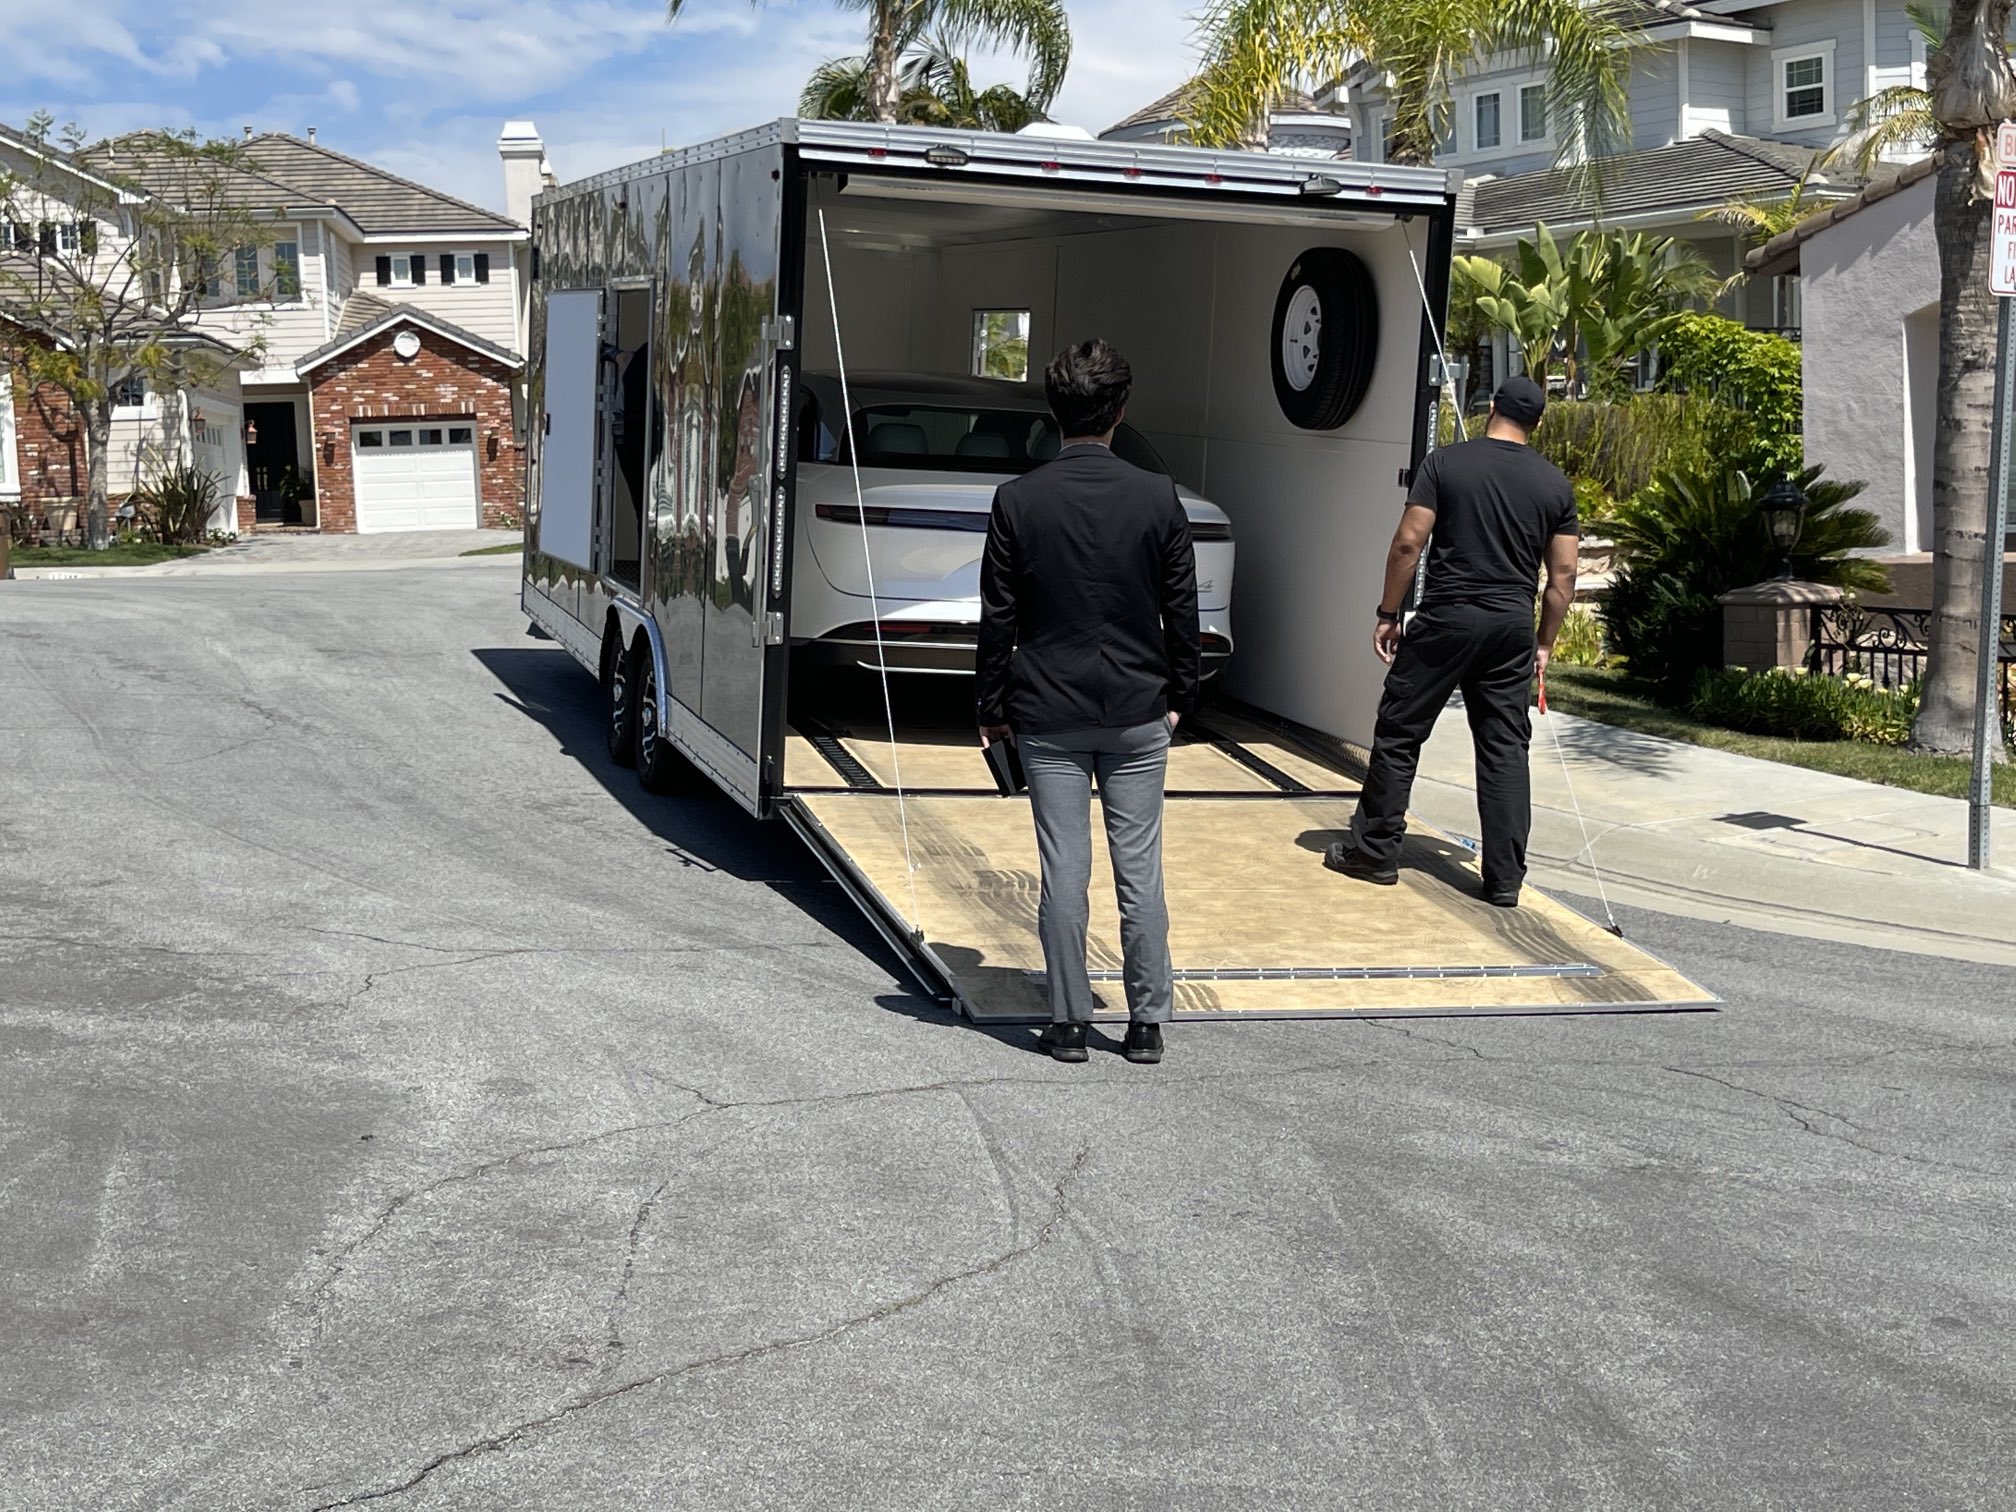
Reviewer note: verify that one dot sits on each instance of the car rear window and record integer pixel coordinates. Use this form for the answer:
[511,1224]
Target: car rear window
[957,438]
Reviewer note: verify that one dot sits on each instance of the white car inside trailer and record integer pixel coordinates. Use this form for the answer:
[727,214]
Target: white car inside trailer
[1279,316]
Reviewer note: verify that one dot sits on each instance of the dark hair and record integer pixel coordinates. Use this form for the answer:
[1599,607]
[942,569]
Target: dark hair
[1087,386]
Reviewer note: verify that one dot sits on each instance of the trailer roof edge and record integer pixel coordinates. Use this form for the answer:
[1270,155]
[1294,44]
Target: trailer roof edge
[1122,165]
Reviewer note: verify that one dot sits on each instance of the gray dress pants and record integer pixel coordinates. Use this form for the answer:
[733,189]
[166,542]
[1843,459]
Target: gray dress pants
[1130,765]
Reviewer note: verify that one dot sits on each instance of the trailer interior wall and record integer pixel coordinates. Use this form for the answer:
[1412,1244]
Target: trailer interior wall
[1191,303]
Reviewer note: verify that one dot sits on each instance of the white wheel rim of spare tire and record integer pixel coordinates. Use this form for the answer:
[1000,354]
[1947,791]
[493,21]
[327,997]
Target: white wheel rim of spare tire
[1302,339]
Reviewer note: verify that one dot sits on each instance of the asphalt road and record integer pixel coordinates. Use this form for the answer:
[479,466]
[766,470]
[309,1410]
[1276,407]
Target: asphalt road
[397,1108]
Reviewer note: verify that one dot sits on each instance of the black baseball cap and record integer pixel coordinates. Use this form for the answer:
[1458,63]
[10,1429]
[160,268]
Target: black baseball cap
[1520,400]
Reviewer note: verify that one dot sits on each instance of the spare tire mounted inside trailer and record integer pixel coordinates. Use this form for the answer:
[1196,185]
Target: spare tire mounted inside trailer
[1277,328]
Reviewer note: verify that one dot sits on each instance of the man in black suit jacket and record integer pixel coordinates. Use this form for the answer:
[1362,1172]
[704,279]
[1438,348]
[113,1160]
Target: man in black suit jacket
[1089,652]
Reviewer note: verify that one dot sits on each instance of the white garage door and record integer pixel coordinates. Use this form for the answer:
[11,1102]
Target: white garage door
[416,477]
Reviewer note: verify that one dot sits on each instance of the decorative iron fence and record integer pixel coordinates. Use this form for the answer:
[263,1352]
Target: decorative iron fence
[1890,646]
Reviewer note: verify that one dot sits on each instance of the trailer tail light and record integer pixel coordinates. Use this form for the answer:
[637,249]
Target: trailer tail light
[904,517]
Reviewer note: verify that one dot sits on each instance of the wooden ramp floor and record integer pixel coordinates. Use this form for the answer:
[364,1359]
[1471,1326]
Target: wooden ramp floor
[1257,927]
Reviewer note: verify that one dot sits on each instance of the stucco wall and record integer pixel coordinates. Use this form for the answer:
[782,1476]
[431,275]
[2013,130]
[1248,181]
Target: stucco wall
[1864,277]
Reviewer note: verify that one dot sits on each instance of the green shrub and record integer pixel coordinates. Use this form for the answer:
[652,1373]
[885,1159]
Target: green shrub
[1580,643]
[1690,538]
[1794,706]
[174,504]
[1620,448]
[1756,372]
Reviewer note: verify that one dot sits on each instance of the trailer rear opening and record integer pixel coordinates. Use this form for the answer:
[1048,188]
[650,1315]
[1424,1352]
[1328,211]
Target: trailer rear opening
[1279,322]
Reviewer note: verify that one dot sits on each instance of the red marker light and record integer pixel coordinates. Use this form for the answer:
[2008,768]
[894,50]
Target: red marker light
[1052,167]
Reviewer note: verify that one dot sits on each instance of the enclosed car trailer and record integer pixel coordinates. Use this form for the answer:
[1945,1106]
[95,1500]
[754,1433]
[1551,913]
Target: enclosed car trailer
[1281,317]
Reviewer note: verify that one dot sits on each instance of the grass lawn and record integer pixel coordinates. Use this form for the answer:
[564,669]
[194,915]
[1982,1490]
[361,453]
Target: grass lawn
[122,554]
[509,548]
[1605,696]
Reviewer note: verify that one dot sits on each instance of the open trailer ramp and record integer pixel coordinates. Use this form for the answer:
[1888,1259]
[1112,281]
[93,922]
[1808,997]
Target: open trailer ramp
[1258,929]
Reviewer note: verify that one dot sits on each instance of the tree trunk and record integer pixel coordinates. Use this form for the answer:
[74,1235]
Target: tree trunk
[885,90]
[1960,455]
[97,472]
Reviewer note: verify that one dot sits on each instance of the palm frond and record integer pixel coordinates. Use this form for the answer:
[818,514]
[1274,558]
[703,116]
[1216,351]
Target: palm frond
[837,91]
[1038,28]
[1254,53]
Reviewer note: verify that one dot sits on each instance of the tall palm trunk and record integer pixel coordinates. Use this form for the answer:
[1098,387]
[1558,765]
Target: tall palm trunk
[1971,91]
[885,87]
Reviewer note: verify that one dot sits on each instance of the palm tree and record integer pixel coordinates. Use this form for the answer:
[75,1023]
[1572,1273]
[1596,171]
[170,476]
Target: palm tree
[935,89]
[1765,218]
[1256,51]
[1972,87]
[1036,27]
[1893,118]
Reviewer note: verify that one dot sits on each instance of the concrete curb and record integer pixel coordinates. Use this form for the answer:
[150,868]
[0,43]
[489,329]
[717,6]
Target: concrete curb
[257,569]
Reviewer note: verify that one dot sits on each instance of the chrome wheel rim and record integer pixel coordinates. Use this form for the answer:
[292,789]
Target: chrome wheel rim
[1302,338]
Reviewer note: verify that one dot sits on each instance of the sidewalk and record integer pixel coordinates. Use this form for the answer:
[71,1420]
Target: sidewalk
[1710,835]
[307,553]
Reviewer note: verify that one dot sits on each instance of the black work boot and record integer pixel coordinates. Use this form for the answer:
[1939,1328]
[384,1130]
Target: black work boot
[1144,1044]
[1342,857]
[1065,1042]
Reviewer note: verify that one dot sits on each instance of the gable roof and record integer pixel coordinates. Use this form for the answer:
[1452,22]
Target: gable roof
[365,316]
[1175,105]
[1697,174]
[1650,13]
[381,203]
[48,152]
[171,175]
[1781,253]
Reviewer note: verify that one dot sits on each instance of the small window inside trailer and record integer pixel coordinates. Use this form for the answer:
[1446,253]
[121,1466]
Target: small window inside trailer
[1001,345]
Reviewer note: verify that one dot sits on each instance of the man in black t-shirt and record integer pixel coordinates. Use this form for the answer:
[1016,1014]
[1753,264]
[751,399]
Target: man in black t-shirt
[1496,511]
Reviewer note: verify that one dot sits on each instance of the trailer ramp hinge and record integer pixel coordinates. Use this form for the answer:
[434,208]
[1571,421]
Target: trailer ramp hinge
[781,332]
[1406,477]
[773,629]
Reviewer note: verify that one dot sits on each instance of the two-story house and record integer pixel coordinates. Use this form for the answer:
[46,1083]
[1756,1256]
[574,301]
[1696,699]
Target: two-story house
[1297,127]
[388,321]
[1729,99]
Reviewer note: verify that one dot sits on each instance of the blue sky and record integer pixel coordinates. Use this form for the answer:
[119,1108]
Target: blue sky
[421,86]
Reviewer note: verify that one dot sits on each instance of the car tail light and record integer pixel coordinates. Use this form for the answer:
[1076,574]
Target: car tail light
[1209,530]
[1216,645]
[904,518]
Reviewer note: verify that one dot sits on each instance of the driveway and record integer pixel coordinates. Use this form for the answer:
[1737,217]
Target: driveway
[397,1107]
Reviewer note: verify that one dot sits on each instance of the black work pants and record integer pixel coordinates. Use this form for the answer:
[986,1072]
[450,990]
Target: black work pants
[1488,653]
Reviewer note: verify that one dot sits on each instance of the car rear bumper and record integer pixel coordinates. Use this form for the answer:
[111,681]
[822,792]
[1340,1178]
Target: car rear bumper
[944,650]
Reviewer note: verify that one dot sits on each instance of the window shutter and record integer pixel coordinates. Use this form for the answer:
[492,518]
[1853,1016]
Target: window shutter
[384,271]
[87,237]
[447,267]
[482,267]
[419,264]
[45,240]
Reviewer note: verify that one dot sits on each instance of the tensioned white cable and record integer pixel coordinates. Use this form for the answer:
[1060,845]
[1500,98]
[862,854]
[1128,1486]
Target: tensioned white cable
[868,562]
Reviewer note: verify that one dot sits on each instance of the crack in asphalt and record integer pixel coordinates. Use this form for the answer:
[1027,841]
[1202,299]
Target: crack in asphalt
[1796,1111]
[493,1443]
[614,1333]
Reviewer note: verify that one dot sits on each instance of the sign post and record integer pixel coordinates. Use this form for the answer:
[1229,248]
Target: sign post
[1988,642]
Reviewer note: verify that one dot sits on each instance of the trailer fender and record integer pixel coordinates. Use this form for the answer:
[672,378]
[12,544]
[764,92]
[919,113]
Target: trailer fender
[633,622]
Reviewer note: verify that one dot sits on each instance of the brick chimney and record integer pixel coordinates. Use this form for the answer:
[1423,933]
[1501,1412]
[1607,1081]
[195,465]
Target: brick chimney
[526,170]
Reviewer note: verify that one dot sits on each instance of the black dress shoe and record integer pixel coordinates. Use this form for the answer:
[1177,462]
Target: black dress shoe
[1503,897]
[1065,1042]
[1144,1044]
[1341,857]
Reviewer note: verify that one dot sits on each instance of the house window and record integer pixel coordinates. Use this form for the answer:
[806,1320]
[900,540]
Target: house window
[1001,344]
[1488,130]
[246,264]
[1805,86]
[430,437]
[286,269]
[1533,113]
[1445,134]
[1786,305]
[368,439]
[399,437]
[1386,138]
[461,435]
[129,395]
[402,270]
[465,267]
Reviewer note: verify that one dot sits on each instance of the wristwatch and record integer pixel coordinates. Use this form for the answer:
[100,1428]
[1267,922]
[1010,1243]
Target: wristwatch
[1389,616]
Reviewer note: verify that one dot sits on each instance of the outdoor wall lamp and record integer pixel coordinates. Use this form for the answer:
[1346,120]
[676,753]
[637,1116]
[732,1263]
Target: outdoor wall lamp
[1320,184]
[1784,509]
[251,434]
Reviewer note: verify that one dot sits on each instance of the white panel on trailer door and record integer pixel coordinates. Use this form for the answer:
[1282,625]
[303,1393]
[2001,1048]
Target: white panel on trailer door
[567,453]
